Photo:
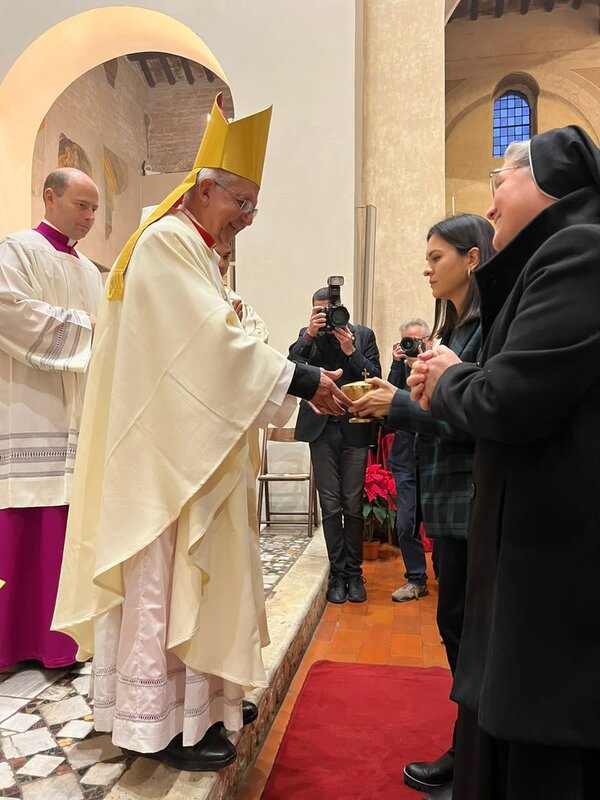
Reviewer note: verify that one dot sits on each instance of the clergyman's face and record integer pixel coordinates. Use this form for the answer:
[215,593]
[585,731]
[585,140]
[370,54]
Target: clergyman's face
[217,207]
[74,211]
[224,253]
[517,201]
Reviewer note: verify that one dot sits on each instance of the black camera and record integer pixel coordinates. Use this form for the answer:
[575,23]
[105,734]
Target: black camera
[336,315]
[411,346]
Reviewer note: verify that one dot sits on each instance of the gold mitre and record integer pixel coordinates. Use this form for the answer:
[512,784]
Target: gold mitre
[238,147]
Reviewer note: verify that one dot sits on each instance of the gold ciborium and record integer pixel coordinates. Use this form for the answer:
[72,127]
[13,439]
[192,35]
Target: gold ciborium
[356,390]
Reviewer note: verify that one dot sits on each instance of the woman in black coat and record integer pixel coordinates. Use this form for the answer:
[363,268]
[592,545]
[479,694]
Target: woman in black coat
[528,675]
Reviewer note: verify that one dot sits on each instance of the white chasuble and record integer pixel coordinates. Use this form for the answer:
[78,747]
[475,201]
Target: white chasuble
[46,299]
[175,387]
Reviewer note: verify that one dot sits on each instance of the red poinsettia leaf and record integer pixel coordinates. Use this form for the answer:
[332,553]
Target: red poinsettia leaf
[370,493]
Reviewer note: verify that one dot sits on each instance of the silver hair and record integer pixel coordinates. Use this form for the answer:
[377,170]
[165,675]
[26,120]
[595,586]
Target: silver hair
[416,321]
[218,175]
[518,154]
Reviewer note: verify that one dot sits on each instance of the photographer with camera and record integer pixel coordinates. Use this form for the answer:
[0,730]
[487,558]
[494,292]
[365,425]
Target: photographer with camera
[338,449]
[415,338]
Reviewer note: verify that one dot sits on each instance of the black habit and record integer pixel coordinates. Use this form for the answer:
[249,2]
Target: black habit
[529,663]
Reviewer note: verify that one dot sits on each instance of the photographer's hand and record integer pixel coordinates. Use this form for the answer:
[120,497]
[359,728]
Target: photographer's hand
[317,321]
[328,399]
[346,339]
[377,402]
[397,353]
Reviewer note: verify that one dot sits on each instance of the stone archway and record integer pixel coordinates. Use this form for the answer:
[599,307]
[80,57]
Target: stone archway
[90,39]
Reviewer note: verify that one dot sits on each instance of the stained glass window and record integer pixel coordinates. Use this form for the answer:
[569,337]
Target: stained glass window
[512,121]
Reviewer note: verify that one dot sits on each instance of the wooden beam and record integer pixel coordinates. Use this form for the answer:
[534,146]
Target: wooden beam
[210,76]
[524,6]
[187,70]
[474,9]
[499,10]
[164,62]
[142,60]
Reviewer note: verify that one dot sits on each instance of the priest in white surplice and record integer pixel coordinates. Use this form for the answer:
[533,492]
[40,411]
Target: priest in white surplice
[162,579]
[49,293]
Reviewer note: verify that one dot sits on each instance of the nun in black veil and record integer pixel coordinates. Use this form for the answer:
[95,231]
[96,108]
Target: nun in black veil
[528,674]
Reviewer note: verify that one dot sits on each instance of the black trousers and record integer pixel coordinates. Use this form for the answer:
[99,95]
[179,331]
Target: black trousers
[340,477]
[451,556]
[452,578]
[491,769]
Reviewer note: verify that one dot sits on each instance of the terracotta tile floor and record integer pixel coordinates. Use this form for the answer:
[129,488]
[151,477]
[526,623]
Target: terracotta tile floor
[376,632]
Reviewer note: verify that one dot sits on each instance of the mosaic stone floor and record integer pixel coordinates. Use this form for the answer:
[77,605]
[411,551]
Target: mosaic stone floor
[48,750]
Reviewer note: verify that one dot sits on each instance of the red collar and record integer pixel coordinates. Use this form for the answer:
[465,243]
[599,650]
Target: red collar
[210,242]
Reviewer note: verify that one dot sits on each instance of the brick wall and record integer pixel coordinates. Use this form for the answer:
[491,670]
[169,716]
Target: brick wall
[120,122]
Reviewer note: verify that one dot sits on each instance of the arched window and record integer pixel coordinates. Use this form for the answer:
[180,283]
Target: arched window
[512,121]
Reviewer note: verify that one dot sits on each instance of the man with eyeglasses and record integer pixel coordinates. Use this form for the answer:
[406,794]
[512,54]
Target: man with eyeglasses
[161,579]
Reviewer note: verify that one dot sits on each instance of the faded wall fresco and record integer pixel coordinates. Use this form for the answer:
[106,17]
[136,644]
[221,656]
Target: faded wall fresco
[110,123]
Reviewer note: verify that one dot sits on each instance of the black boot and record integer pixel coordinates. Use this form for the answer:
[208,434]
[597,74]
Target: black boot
[430,775]
[336,592]
[441,794]
[356,589]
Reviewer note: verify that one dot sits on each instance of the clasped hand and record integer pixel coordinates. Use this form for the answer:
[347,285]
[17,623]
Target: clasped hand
[426,372]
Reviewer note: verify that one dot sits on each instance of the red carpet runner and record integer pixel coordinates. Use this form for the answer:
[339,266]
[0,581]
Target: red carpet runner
[355,726]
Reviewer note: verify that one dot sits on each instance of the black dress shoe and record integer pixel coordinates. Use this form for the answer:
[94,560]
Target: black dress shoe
[213,752]
[441,794]
[249,712]
[356,589]
[428,775]
[336,592]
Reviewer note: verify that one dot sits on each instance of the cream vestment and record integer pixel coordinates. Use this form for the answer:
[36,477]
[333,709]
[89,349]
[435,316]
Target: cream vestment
[162,529]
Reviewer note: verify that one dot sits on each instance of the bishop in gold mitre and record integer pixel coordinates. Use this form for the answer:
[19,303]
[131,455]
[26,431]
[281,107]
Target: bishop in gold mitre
[161,580]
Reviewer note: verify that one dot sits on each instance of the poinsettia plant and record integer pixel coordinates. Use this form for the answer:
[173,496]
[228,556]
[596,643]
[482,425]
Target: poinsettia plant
[379,502]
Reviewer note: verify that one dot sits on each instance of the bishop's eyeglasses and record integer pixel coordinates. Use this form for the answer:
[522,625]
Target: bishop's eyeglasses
[245,205]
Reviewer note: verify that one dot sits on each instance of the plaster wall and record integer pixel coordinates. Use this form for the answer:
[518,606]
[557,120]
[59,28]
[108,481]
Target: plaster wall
[267,52]
[403,152]
[560,51]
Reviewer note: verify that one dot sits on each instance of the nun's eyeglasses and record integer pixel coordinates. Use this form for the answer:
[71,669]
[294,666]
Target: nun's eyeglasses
[494,176]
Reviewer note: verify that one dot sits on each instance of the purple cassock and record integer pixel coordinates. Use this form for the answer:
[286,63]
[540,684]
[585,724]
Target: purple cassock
[31,547]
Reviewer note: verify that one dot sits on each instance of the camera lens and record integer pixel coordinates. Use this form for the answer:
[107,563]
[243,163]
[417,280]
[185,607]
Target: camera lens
[410,346]
[339,316]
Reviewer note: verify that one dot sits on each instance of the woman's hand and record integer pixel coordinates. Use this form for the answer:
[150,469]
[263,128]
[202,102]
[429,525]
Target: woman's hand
[377,402]
[427,371]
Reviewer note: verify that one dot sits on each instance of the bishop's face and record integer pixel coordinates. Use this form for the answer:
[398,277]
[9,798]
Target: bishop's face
[74,211]
[221,209]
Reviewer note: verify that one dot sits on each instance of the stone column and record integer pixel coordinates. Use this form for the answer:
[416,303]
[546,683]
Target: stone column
[403,152]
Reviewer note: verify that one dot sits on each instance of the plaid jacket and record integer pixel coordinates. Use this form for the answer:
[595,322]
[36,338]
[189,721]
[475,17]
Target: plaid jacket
[444,454]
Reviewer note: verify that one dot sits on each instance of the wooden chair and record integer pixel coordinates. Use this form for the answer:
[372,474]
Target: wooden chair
[311,516]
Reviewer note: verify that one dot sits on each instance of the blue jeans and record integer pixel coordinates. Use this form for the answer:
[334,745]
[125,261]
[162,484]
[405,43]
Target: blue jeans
[402,463]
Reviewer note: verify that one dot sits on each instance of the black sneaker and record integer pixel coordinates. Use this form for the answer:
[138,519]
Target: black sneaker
[356,589]
[336,592]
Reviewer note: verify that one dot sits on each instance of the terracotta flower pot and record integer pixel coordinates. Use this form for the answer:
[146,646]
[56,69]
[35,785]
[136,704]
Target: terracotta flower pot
[371,551]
